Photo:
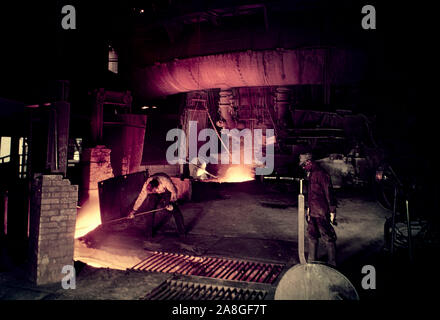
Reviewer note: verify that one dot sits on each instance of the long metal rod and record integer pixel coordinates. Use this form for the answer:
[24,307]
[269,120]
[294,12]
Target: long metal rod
[301,204]
[215,129]
[408,221]
[393,222]
[137,215]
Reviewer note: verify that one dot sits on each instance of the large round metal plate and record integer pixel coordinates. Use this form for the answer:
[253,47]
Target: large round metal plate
[314,281]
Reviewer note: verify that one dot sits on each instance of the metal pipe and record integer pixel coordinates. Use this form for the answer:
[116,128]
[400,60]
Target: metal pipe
[301,213]
[408,221]
[393,222]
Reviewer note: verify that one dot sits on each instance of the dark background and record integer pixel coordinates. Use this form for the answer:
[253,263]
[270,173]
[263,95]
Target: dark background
[35,50]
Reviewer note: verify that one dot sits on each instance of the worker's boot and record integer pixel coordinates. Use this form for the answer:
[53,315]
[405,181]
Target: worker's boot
[313,250]
[331,251]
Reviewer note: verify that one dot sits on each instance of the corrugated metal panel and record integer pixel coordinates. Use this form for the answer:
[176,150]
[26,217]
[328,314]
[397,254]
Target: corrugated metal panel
[192,290]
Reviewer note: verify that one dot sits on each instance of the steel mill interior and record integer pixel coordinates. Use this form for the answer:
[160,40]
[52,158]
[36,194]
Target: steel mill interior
[217,150]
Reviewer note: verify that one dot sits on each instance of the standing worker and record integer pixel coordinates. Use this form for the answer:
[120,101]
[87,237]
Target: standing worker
[161,193]
[321,209]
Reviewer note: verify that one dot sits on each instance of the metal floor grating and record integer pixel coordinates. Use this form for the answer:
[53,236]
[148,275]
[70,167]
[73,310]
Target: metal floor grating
[212,267]
[189,290]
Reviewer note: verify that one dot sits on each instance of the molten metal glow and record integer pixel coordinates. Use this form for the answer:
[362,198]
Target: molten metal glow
[89,217]
[237,174]
[111,257]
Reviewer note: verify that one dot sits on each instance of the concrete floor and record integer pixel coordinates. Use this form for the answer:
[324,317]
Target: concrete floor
[246,221]
[242,223]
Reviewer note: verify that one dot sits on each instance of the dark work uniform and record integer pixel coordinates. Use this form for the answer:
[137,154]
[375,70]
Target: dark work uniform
[321,202]
[160,200]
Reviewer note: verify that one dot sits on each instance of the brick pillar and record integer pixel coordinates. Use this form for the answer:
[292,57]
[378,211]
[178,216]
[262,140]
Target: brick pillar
[96,167]
[52,227]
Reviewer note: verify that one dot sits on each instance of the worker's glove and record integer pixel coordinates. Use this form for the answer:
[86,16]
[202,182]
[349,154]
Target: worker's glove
[131,214]
[308,214]
[333,219]
[169,207]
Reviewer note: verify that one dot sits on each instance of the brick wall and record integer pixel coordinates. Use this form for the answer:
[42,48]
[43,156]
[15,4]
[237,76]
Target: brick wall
[96,167]
[52,227]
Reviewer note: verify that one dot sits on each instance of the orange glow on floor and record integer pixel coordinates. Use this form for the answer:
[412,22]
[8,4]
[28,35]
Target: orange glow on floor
[89,217]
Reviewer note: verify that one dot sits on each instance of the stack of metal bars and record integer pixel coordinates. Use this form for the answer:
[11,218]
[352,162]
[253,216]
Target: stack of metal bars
[212,267]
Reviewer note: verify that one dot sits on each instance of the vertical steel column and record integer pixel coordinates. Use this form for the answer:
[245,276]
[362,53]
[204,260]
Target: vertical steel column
[408,221]
[302,257]
[393,222]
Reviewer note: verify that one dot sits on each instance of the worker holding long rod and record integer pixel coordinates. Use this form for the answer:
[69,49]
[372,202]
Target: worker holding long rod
[161,192]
